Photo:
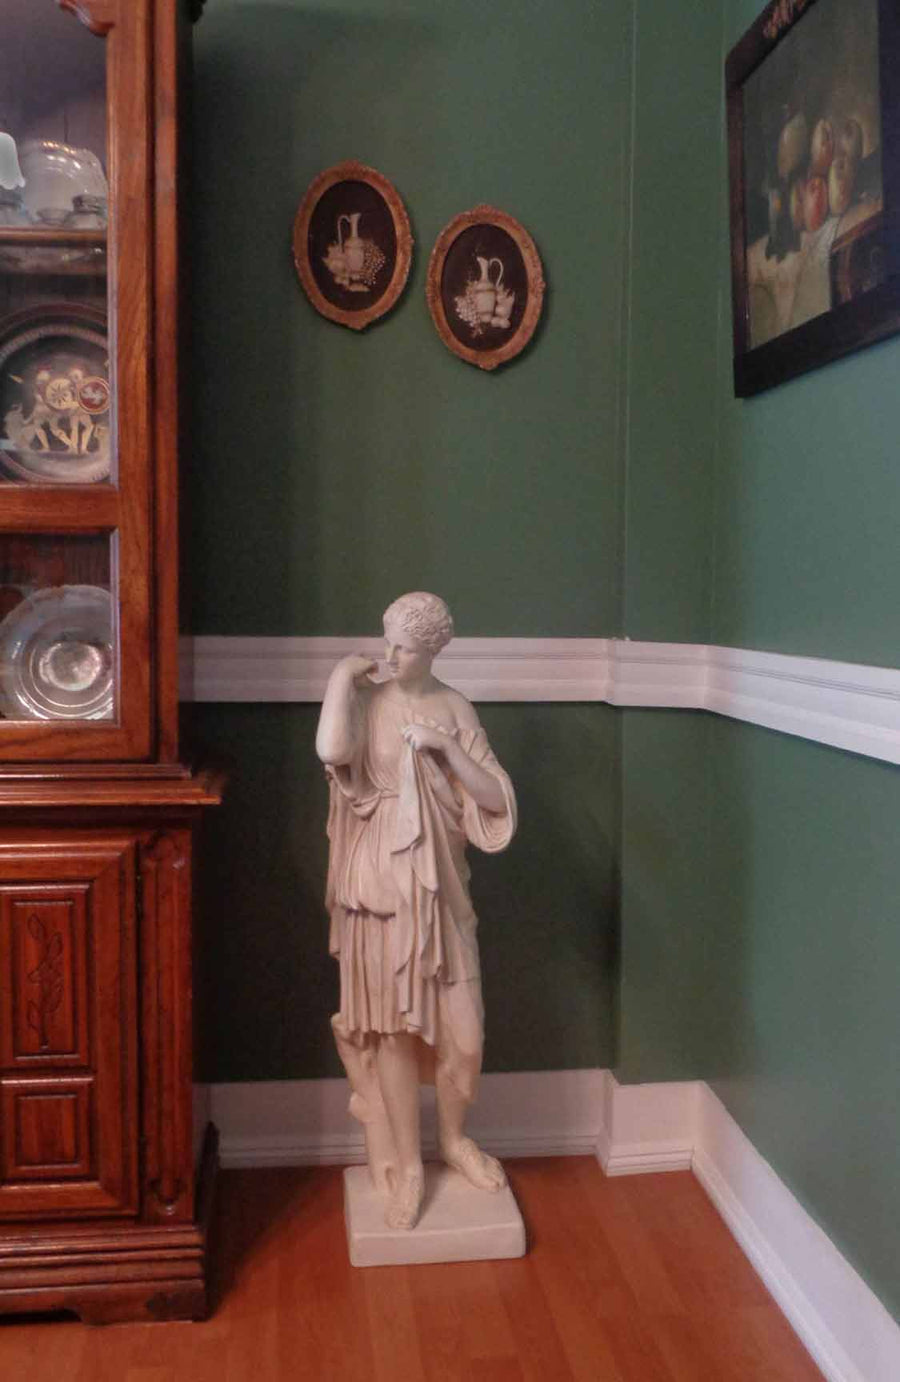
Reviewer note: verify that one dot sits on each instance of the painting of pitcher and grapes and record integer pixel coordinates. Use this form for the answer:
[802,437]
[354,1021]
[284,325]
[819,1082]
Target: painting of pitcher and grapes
[485,287]
[352,244]
[814,154]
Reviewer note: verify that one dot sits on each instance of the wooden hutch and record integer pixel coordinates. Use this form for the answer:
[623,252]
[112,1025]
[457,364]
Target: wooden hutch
[102,1205]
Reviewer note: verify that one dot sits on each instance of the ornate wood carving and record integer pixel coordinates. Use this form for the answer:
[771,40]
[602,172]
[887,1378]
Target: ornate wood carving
[98,15]
[48,975]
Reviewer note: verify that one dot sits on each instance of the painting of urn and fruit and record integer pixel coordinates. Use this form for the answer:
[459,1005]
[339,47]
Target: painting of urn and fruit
[812,169]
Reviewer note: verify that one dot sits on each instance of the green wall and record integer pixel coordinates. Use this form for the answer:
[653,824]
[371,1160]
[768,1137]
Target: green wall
[687,897]
[799,988]
[807,497]
[671,336]
[331,471]
[340,468]
[759,872]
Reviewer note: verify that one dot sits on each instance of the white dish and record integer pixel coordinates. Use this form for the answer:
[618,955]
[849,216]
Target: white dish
[55,403]
[55,174]
[56,656]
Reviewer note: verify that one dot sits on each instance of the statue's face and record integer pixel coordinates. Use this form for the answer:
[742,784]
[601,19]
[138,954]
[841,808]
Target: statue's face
[407,660]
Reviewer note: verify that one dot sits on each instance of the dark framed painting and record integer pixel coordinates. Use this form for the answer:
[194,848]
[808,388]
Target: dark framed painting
[485,287]
[352,244]
[813,102]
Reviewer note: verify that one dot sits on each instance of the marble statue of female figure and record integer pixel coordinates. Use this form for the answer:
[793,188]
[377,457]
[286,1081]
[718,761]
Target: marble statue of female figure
[412,782]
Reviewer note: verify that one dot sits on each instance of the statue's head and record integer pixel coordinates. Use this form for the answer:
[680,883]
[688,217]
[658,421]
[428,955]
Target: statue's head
[424,618]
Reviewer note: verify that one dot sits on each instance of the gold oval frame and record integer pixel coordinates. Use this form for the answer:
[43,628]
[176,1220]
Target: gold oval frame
[351,171]
[534,272]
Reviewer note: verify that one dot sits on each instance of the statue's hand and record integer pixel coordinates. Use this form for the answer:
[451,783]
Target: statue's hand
[426,737]
[358,666]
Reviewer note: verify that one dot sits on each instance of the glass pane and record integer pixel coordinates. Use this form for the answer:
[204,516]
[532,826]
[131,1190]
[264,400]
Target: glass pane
[55,402]
[57,627]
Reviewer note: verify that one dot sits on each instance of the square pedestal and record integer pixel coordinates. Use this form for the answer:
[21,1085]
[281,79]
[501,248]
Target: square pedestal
[458,1222]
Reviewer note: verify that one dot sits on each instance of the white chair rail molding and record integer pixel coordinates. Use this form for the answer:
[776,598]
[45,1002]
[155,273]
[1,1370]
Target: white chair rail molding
[844,704]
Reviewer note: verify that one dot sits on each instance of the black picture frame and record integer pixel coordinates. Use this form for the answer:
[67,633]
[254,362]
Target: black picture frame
[813,282]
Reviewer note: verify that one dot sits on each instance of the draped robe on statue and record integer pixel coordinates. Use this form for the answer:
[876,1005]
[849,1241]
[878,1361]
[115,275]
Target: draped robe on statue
[402,924]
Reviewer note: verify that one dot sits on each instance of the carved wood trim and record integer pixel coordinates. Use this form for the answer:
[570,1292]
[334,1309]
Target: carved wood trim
[165,949]
[98,15]
[47,975]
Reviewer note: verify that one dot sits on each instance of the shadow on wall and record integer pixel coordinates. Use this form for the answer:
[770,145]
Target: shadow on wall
[266,984]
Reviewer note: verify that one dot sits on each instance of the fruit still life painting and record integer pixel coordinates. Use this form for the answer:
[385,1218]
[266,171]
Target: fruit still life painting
[813,169]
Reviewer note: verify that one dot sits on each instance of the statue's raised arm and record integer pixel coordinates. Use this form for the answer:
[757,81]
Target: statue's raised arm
[339,734]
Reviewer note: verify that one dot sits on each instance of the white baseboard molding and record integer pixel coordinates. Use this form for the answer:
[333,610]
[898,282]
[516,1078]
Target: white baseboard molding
[841,1322]
[646,1128]
[306,1123]
[843,704]
[844,1326]
[631,1129]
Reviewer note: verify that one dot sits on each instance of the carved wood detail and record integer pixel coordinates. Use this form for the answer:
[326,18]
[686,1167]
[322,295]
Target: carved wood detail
[48,975]
[165,952]
[98,15]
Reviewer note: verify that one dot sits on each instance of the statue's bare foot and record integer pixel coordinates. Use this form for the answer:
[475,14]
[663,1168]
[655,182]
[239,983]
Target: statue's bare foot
[406,1205]
[481,1170]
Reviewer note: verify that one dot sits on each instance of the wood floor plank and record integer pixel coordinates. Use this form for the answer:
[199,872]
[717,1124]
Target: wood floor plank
[392,1324]
[439,1321]
[634,1279]
[538,1343]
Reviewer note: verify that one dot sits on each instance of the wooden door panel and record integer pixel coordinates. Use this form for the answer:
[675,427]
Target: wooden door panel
[68,1083]
[47,1128]
[46,1023]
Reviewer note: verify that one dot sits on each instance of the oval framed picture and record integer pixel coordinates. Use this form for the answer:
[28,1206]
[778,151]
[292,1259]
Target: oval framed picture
[485,287]
[352,244]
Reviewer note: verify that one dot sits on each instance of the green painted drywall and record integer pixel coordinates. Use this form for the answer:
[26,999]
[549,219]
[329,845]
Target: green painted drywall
[546,906]
[332,469]
[799,986]
[807,495]
[664,889]
[672,349]
[759,872]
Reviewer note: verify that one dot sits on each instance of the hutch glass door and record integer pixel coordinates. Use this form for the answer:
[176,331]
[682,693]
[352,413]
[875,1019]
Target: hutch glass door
[74,434]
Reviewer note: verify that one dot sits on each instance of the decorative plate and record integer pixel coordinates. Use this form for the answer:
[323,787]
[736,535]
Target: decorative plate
[54,400]
[56,657]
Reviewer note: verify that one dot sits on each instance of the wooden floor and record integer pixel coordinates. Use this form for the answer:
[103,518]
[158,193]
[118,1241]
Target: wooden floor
[627,1280]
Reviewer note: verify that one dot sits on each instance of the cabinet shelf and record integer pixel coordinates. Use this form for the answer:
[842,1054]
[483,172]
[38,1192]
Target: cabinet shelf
[46,250]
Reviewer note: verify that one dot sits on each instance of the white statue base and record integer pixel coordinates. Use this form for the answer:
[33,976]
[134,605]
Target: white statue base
[458,1223]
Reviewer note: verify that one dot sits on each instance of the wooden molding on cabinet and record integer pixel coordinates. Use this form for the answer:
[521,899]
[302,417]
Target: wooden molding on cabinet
[165,907]
[97,15]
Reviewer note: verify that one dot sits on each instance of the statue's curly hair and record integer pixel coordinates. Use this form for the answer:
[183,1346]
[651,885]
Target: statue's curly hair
[424,617]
